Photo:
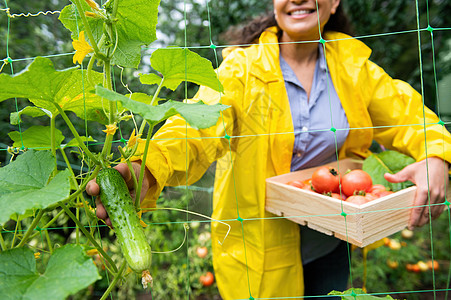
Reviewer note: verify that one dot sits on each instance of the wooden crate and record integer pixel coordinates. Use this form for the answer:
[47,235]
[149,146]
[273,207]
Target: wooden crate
[359,225]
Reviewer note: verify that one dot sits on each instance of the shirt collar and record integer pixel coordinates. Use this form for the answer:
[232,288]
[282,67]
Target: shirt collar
[290,76]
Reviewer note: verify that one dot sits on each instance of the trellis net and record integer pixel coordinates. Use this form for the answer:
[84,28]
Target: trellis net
[178,230]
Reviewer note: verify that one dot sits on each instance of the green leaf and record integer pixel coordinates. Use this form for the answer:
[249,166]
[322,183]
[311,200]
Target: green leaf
[28,213]
[69,270]
[24,184]
[47,87]
[31,111]
[36,137]
[198,115]
[136,22]
[390,161]
[152,78]
[74,142]
[177,65]
[357,294]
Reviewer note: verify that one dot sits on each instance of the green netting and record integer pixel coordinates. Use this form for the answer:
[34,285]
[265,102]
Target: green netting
[193,211]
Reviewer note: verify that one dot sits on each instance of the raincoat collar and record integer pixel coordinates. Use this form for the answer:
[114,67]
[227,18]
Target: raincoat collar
[338,44]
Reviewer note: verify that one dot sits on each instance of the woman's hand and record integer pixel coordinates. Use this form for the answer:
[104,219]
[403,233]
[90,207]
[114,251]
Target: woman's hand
[92,188]
[438,182]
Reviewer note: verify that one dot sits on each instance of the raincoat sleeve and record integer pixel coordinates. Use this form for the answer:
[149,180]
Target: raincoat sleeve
[402,121]
[179,154]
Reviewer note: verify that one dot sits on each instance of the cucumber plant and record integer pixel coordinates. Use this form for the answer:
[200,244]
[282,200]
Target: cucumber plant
[33,188]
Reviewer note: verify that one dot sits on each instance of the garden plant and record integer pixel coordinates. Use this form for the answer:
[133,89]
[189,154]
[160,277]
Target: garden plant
[32,185]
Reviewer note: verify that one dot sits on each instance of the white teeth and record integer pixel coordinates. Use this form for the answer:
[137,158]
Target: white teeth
[300,12]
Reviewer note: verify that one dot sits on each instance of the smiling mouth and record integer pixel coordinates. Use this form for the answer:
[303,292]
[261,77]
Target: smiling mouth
[301,12]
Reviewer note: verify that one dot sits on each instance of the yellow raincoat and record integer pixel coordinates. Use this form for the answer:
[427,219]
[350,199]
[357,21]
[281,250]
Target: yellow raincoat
[253,140]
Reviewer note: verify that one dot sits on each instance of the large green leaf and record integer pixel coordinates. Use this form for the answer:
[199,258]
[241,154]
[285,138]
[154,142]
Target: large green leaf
[177,65]
[47,87]
[36,137]
[69,270]
[136,26]
[24,184]
[390,161]
[198,115]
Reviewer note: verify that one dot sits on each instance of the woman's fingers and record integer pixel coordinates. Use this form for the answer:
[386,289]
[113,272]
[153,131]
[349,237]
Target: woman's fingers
[431,178]
[92,188]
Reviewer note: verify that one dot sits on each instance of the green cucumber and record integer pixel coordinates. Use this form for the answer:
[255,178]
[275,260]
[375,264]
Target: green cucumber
[121,209]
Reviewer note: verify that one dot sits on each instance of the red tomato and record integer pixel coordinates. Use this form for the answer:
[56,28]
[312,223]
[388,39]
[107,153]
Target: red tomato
[384,193]
[356,181]
[202,251]
[308,185]
[377,188]
[325,179]
[336,196]
[297,183]
[357,199]
[371,196]
[433,265]
[207,279]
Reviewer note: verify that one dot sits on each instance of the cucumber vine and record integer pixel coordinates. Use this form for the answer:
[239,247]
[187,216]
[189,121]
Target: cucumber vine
[115,33]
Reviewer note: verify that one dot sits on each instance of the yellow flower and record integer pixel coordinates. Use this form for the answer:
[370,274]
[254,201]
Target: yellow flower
[90,14]
[92,252]
[143,224]
[37,255]
[134,139]
[93,4]
[110,129]
[82,48]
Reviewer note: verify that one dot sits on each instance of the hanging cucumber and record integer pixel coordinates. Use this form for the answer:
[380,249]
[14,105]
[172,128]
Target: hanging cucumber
[120,208]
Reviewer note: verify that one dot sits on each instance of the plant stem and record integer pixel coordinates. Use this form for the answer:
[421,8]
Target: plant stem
[80,189]
[2,241]
[66,160]
[89,70]
[77,229]
[49,223]
[88,236]
[114,282]
[31,228]
[116,5]
[49,242]
[112,107]
[87,27]
[81,144]
[143,168]
[15,231]
[154,98]
[130,167]
[53,140]
[109,85]
[157,92]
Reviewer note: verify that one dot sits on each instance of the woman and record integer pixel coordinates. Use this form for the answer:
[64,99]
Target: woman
[303,78]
